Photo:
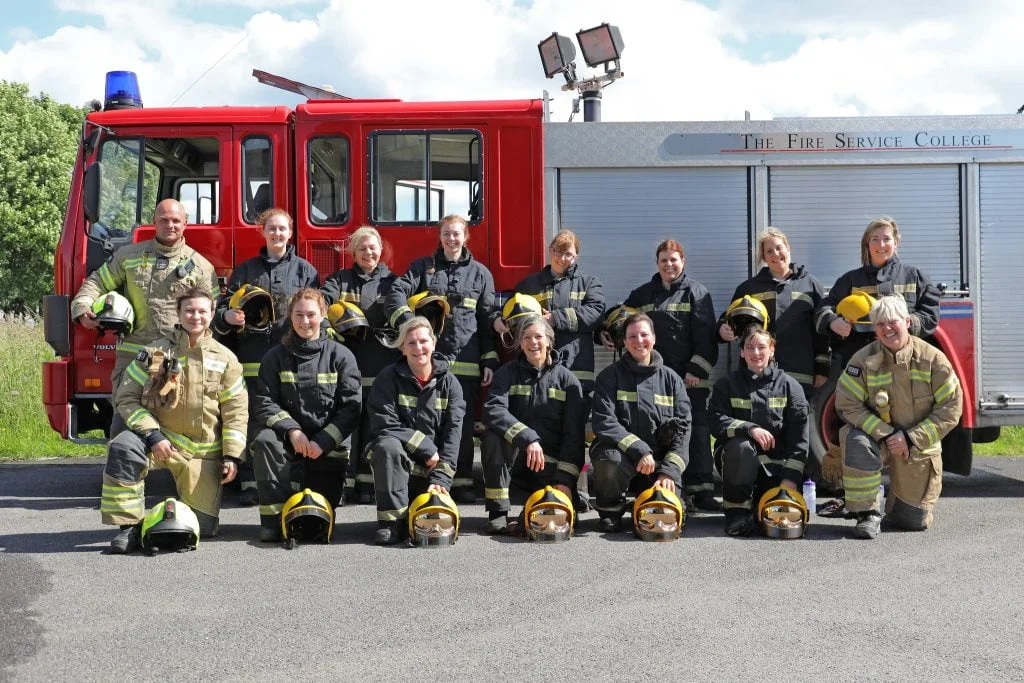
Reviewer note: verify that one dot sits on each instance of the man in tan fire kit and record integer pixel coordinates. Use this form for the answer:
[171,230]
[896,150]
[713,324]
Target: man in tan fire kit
[898,396]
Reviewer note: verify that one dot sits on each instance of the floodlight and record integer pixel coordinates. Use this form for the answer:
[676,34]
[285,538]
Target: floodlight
[601,44]
[556,54]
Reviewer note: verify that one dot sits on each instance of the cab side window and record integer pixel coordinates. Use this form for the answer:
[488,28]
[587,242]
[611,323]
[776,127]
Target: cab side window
[257,177]
[327,163]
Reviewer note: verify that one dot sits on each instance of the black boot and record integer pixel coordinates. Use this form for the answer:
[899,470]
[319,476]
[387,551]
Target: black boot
[126,541]
[390,533]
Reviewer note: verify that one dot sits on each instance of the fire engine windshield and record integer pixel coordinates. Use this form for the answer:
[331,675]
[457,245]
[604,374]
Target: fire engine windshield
[140,172]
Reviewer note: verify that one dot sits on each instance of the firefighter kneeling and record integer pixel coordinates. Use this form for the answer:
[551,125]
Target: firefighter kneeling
[188,413]
[898,396]
[641,419]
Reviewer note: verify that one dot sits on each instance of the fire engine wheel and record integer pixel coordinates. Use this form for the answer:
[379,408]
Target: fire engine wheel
[823,428]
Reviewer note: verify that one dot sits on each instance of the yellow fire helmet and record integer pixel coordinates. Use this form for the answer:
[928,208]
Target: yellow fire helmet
[307,517]
[854,308]
[782,513]
[549,516]
[347,319]
[258,306]
[744,312]
[170,525]
[518,307]
[433,520]
[658,515]
[431,306]
[114,312]
[615,324]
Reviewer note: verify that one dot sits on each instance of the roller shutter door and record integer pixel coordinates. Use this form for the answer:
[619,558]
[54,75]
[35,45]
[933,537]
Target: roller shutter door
[1002,307]
[621,215]
[824,210]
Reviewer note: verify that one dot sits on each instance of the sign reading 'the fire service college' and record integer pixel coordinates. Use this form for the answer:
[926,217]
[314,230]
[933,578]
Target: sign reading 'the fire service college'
[804,142]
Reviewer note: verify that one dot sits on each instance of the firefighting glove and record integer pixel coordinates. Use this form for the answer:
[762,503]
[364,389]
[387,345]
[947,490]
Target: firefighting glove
[668,432]
[832,467]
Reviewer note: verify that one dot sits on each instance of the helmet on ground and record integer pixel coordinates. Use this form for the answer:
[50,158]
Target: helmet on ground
[549,516]
[615,324]
[170,525]
[431,306]
[258,306]
[347,319]
[307,517]
[854,308]
[744,312]
[115,313]
[782,513]
[658,515]
[518,307]
[433,520]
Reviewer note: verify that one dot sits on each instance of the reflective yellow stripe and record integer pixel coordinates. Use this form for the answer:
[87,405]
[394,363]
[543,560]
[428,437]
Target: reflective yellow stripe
[107,278]
[929,428]
[367,381]
[583,374]
[392,515]
[232,391]
[288,377]
[445,468]
[674,459]
[233,435]
[921,375]
[274,419]
[138,374]
[407,400]
[574,321]
[851,385]
[138,416]
[740,403]
[735,427]
[627,441]
[801,377]
[862,489]
[490,355]
[879,380]
[440,403]
[905,289]
[418,470]
[415,441]
[794,464]
[399,312]
[629,396]
[513,431]
[871,423]
[802,296]
[468,303]
[646,308]
[326,378]
[129,347]
[778,401]
[466,369]
[495,494]
[193,447]
[351,297]
[520,390]
[271,510]
[556,394]
[333,432]
[568,468]
[660,400]
[678,308]
[946,390]
[701,363]
[250,369]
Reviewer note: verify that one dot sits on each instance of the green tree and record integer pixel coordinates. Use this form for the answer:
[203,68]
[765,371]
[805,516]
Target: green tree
[38,142]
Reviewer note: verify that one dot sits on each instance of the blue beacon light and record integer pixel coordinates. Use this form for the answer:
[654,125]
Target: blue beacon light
[122,91]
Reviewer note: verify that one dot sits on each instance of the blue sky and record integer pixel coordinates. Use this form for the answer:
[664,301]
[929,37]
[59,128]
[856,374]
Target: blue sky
[683,59]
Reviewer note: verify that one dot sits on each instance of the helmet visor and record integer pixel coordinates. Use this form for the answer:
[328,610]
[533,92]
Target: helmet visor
[550,523]
[435,528]
[658,519]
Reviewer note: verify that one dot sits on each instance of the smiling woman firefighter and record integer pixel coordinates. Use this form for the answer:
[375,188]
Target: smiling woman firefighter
[758,416]
[843,314]
[572,302]
[184,402]
[790,295]
[417,412]
[466,288]
[250,317]
[684,323]
[307,406]
[535,417]
[641,418]
[361,290]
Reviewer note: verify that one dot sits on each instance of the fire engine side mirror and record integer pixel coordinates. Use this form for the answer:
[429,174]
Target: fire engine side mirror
[91,192]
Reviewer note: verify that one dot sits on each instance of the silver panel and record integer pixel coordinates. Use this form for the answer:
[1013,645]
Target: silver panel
[1001,314]
[824,210]
[621,215]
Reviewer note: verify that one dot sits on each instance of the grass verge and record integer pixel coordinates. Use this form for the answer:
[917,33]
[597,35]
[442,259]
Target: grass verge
[24,431]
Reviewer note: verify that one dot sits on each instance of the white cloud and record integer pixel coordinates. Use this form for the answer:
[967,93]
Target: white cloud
[682,60]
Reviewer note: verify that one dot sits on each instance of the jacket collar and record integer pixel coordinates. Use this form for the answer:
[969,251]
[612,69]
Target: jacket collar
[630,364]
[441,259]
[289,252]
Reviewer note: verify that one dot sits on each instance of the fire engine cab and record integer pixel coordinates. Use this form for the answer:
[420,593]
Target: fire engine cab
[952,183]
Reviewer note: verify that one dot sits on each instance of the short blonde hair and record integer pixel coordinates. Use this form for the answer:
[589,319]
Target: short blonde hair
[888,309]
[880,222]
[407,327]
[768,234]
[361,235]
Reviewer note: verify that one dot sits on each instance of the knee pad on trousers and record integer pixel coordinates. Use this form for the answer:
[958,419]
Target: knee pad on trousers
[739,462]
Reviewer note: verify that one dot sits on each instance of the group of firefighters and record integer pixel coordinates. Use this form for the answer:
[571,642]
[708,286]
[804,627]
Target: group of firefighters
[363,389]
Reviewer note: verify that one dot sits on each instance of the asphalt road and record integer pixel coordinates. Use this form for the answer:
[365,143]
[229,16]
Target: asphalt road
[944,604]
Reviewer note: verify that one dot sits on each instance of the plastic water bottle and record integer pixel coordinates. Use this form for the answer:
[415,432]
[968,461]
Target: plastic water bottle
[811,496]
